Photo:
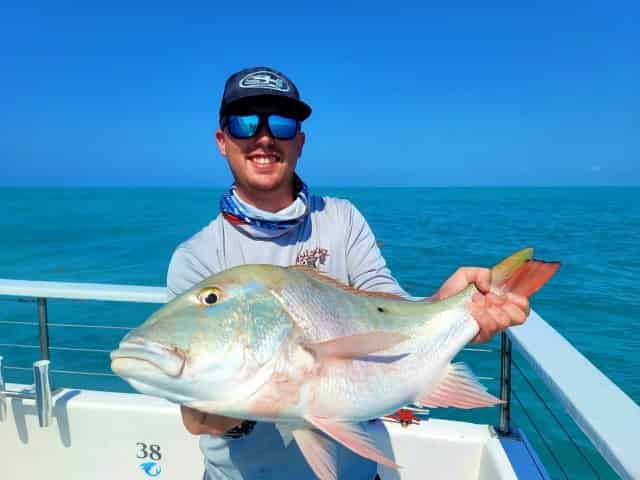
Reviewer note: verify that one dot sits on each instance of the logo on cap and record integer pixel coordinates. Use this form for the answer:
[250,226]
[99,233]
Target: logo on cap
[264,79]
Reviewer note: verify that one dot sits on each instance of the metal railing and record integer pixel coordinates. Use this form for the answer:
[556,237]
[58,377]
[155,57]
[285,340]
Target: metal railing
[38,292]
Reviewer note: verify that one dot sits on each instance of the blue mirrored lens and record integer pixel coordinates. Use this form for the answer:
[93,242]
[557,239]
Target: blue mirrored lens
[246,126]
[281,127]
[243,126]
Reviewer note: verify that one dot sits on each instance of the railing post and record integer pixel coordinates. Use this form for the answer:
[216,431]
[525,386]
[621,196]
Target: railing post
[3,403]
[505,385]
[43,328]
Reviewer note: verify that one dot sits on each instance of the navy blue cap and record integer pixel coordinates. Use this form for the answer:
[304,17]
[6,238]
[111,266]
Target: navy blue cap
[262,89]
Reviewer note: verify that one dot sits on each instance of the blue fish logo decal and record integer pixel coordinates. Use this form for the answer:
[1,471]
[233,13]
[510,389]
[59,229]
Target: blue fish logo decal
[152,469]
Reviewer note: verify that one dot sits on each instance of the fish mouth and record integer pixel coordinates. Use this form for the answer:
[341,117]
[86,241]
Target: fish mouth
[168,359]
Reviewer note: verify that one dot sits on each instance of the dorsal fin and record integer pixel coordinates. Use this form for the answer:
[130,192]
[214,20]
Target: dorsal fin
[312,272]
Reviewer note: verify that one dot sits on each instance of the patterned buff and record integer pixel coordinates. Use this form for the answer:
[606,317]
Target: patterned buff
[261,224]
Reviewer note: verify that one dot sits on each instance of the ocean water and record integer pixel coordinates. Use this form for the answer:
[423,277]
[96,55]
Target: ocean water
[126,236]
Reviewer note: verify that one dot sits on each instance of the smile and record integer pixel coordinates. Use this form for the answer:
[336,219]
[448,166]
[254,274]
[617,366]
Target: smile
[264,159]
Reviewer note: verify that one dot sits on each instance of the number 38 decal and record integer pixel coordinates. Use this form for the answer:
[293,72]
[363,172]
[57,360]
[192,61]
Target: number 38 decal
[148,451]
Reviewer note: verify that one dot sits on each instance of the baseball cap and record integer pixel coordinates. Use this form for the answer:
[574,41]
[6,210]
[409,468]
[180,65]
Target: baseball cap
[260,89]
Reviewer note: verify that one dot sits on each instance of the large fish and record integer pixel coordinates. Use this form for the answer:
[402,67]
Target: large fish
[290,346]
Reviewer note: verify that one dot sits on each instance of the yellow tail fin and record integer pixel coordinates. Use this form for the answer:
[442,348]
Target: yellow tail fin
[522,274]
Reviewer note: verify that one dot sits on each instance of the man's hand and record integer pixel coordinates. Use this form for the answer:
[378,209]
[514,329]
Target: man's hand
[198,423]
[493,313]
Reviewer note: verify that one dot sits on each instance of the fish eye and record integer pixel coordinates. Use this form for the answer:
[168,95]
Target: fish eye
[209,296]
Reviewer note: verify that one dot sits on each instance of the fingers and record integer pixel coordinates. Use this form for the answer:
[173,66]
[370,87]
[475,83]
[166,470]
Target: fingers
[516,315]
[482,278]
[198,423]
[495,313]
[192,420]
[461,278]
[491,320]
[218,425]
[521,301]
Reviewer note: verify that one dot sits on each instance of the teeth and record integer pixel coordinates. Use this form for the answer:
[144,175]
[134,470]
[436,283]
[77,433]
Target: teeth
[264,160]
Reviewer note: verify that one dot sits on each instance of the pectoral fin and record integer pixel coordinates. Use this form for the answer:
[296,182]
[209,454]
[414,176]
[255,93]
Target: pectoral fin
[359,346]
[352,436]
[458,388]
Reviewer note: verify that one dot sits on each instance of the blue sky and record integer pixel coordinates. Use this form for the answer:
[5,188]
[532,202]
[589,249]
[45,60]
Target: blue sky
[403,94]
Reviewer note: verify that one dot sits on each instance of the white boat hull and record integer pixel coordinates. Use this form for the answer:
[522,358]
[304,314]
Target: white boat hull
[107,435]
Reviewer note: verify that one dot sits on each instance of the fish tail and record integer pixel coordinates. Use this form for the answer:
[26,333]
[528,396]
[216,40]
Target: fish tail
[521,273]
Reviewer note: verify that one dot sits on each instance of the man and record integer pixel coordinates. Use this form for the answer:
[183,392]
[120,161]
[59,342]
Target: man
[269,216]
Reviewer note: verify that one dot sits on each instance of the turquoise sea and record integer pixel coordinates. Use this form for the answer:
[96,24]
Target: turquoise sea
[126,236]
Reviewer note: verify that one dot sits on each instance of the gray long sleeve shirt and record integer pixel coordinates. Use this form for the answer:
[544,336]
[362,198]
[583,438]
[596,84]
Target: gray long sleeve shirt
[335,239]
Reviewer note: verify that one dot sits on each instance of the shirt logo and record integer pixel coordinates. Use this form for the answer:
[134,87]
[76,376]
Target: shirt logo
[312,257]
[265,79]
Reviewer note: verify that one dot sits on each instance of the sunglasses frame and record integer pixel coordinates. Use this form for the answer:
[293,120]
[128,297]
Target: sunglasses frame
[263,120]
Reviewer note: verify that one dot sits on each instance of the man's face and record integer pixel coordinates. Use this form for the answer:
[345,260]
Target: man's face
[262,165]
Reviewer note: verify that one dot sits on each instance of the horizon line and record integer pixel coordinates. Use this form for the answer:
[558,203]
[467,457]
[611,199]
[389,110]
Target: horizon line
[329,186]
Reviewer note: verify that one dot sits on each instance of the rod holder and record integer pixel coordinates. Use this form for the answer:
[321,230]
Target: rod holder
[44,403]
[40,391]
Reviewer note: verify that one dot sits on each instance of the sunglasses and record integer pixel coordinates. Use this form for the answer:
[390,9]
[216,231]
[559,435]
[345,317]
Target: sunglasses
[247,126]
